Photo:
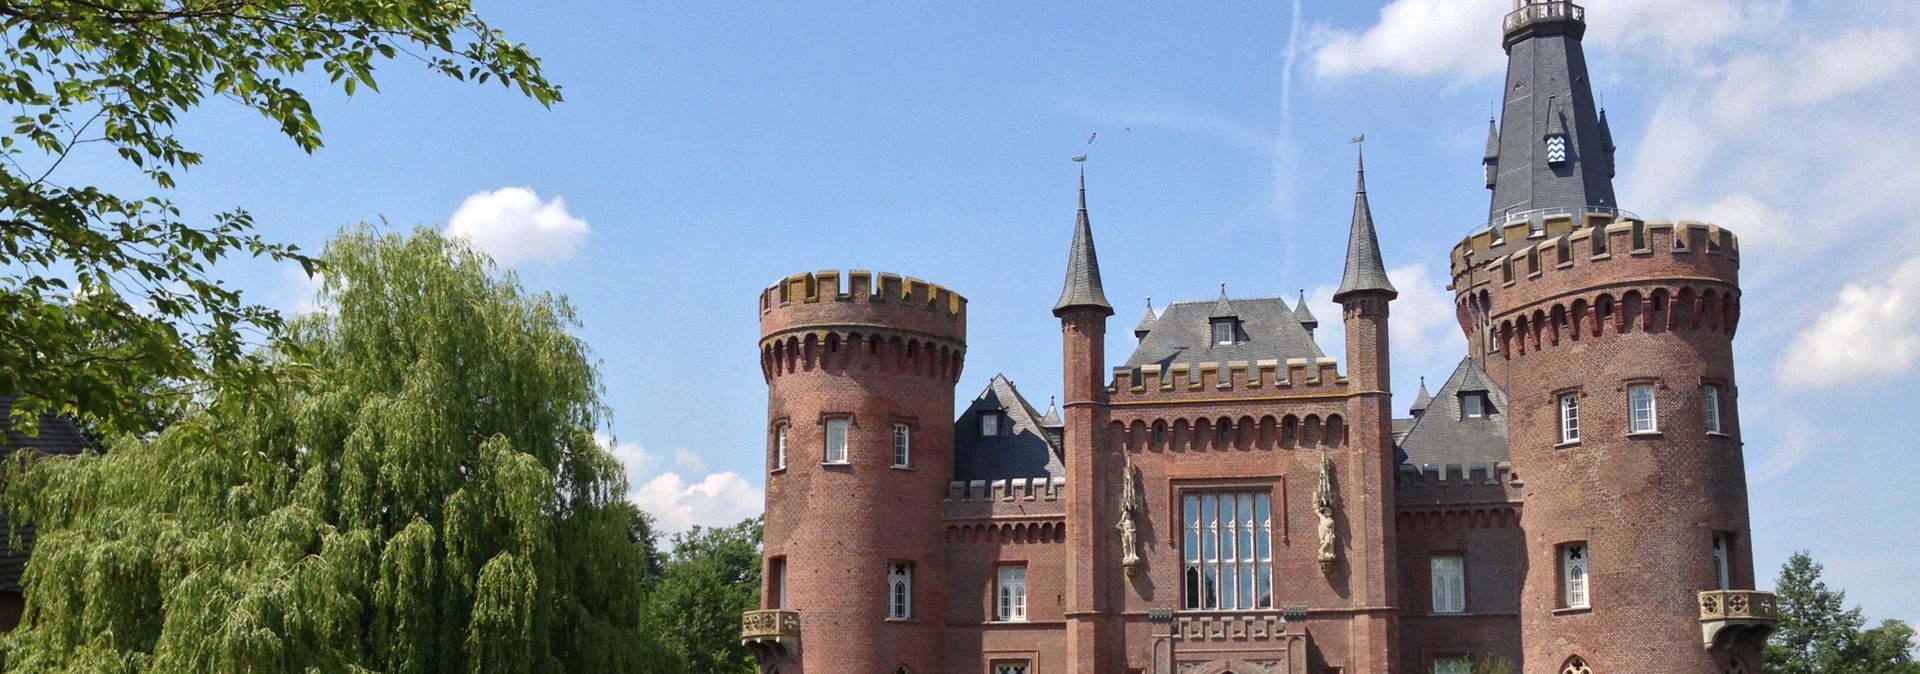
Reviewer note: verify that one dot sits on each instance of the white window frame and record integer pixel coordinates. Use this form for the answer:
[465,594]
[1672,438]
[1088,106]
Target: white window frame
[1010,592]
[1480,401]
[837,441]
[989,424]
[1643,409]
[1722,554]
[899,590]
[902,446]
[1576,575]
[1569,417]
[1449,579]
[1710,403]
[780,446]
[1223,333]
[1221,543]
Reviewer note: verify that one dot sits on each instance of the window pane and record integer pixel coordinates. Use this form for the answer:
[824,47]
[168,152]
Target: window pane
[1263,539]
[1712,394]
[836,440]
[1209,538]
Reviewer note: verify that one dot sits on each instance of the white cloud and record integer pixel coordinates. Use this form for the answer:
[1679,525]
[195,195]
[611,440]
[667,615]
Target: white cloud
[1871,333]
[1458,38]
[719,499]
[661,488]
[1423,324]
[513,225]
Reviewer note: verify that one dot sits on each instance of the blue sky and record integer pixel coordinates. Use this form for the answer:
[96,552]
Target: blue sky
[707,149]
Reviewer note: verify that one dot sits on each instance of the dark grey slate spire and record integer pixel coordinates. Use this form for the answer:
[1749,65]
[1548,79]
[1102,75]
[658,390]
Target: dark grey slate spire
[1553,147]
[1606,141]
[1306,316]
[1492,161]
[1083,266]
[1146,322]
[1222,308]
[1052,418]
[1365,273]
[1422,401]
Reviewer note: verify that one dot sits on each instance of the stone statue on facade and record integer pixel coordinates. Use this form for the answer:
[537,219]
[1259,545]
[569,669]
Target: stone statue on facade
[1324,501]
[1130,503]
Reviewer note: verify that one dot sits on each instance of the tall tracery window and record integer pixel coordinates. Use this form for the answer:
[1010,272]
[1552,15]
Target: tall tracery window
[1710,403]
[1228,550]
[780,447]
[1570,417]
[1573,572]
[1449,584]
[902,445]
[900,590]
[1012,591]
[1576,665]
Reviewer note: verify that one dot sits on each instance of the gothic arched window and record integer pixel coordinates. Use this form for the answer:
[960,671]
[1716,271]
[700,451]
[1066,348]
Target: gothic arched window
[1575,665]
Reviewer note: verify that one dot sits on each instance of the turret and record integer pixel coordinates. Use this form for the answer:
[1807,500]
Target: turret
[1304,315]
[1612,337]
[1093,628]
[860,371]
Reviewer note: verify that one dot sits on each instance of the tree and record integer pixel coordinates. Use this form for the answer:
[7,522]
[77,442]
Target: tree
[412,486]
[105,296]
[1818,635]
[713,576]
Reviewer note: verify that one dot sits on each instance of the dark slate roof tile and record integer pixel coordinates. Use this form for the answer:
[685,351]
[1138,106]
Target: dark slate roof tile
[1184,334]
[1023,449]
[1441,436]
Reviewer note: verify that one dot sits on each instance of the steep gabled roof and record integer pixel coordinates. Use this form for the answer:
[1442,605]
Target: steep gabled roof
[1023,449]
[1183,334]
[1441,436]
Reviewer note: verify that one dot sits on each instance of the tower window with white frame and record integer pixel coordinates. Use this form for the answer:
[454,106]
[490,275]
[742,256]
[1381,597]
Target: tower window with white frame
[1010,591]
[1722,554]
[900,590]
[780,447]
[902,446]
[1710,406]
[1449,584]
[837,440]
[1641,406]
[1570,417]
[989,424]
[1574,576]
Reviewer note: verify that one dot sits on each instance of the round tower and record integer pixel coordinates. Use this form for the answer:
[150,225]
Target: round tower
[860,399]
[1613,339]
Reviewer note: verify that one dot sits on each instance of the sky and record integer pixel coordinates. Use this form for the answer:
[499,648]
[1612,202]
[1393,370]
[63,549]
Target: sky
[705,150]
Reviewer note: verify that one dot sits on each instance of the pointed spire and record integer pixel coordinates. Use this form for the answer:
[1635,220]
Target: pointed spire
[1493,139]
[1222,308]
[1304,314]
[1365,272]
[1146,322]
[1083,266]
[1052,417]
[1422,401]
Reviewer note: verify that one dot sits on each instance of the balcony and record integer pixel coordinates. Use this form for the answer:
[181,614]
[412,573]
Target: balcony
[771,633]
[1544,11]
[1728,617]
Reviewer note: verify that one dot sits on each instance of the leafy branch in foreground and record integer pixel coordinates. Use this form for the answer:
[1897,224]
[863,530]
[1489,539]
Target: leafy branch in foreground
[106,299]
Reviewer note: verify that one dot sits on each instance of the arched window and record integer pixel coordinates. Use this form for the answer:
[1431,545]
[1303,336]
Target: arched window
[900,590]
[1575,665]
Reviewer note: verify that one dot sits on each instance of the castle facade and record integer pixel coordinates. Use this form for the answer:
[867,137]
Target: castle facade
[1227,499]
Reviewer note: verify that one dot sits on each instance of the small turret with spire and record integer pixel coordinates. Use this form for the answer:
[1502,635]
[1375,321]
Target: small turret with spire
[1364,272]
[1305,315]
[1423,401]
[1146,322]
[1083,266]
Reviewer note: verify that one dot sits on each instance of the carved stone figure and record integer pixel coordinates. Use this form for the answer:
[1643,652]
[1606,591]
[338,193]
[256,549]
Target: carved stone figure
[1324,501]
[1130,502]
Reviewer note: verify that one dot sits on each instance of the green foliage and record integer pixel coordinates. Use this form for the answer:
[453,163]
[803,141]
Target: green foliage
[712,577]
[410,486]
[1819,635]
[105,297]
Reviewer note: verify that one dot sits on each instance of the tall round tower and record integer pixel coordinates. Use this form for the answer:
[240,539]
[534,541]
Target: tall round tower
[1613,339]
[860,386]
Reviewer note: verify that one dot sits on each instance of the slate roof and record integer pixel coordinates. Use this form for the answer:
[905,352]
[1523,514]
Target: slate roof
[1303,314]
[1146,322]
[1024,448]
[1082,288]
[1422,401]
[1440,436]
[1549,92]
[1364,271]
[56,437]
[1183,334]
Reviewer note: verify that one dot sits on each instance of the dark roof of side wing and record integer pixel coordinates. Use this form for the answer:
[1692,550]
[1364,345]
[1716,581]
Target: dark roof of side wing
[1441,436]
[1184,334]
[1021,450]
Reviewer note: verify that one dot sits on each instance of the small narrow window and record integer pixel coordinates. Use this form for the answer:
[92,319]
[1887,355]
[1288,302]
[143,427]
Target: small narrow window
[989,423]
[1573,570]
[1640,403]
[777,582]
[1449,584]
[1711,404]
[780,446]
[1012,593]
[1226,434]
[836,441]
[1722,542]
[1570,417]
[902,446]
[900,590]
[1223,332]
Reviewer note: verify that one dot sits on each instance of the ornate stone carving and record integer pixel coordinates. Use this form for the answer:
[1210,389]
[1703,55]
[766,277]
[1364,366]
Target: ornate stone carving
[1130,503]
[1325,499]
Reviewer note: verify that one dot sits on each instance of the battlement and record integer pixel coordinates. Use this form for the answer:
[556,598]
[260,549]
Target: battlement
[1561,241]
[1456,484]
[1014,489]
[1153,381]
[860,287]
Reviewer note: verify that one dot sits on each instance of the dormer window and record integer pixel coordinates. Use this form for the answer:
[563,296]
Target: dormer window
[1224,331]
[1474,405]
[989,423]
[1557,149]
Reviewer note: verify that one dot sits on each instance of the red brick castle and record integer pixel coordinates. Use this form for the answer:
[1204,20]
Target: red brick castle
[1572,500]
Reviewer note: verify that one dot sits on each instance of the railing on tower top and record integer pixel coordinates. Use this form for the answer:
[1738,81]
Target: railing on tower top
[1536,218]
[1537,11]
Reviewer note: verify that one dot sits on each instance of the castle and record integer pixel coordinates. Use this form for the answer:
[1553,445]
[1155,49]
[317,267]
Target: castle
[1572,500]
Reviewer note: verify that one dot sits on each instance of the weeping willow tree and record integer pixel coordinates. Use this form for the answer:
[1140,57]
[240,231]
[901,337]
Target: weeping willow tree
[416,488]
